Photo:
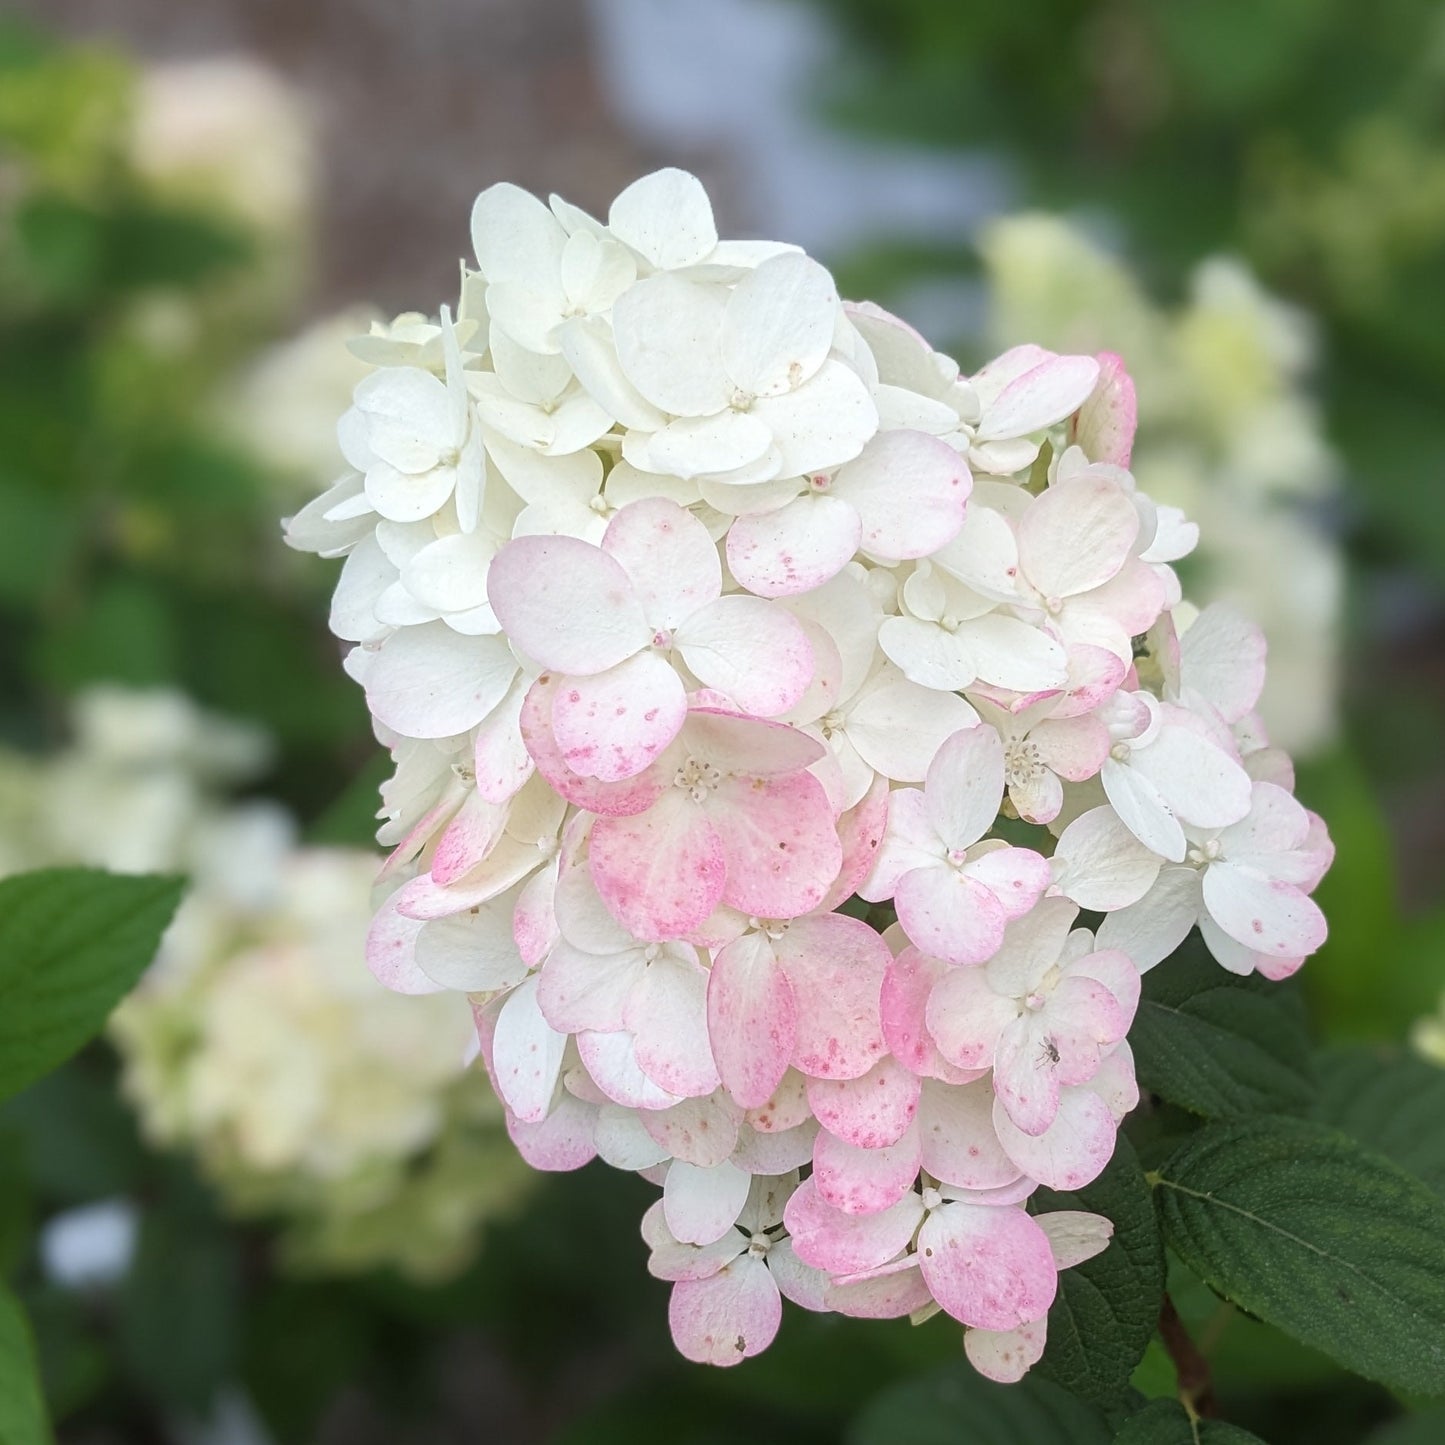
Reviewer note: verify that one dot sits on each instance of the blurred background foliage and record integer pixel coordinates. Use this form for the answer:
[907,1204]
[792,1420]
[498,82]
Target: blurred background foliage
[147,417]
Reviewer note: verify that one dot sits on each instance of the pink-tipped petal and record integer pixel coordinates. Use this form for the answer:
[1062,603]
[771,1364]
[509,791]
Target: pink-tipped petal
[752,1019]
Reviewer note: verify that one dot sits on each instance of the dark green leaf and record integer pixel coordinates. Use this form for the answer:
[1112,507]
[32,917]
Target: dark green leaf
[179,1315]
[957,1406]
[1220,1045]
[1426,1428]
[79,1139]
[72,942]
[1392,1102]
[1310,1232]
[350,821]
[22,1410]
[1108,1306]
[1165,1422]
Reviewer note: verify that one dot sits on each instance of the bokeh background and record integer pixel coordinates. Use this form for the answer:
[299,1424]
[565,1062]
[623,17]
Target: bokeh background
[271,1208]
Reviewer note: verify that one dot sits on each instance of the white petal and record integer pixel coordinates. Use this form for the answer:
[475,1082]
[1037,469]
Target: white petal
[515,236]
[824,423]
[702,1205]
[965,786]
[898,727]
[666,217]
[779,325]
[430,682]
[526,1055]
[667,334]
[1100,864]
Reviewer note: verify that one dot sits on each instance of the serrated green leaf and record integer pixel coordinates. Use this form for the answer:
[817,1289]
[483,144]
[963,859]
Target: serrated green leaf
[1392,1102]
[73,941]
[957,1406]
[1220,1045]
[1307,1230]
[1107,1307]
[1165,1422]
[22,1410]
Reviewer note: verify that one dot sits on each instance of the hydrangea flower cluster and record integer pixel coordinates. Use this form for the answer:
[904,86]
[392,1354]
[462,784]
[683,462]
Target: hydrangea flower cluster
[767,700]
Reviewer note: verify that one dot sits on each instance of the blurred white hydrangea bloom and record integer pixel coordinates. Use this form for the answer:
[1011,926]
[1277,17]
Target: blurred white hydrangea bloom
[1227,433]
[228,132]
[259,1040]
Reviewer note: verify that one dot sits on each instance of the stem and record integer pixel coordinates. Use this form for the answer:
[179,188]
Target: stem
[1196,1387]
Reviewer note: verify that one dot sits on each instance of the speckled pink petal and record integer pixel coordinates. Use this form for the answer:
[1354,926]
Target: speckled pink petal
[775,1151]
[903,1002]
[949,914]
[391,950]
[988,1267]
[1073,1150]
[1006,1355]
[566,604]
[1106,422]
[608,800]
[702,1131]
[561,1142]
[1072,747]
[836,966]
[611,1063]
[667,1014]
[467,839]
[614,725]
[1016,876]
[860,832]
[794,549]
[1265,914]
[839,1243]
[728,1318]
[526,1055]
[886,1293]
[779,839]
[966,1015]
[864,1181]
[750,650]
[785,1109]
[960,1145]
[1026,1073]
[669,557]
[752,1019]
[534,923]
[910,490]
[662,872]
[870,1111]
[577,990]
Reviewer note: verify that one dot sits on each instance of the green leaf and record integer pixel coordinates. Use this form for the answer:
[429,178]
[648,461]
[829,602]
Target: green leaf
[1107,1307]
[1220,1045]
[1165,1422]
[22,1410]
[350,821]
[1426,1428]
[179,1304]
[1392,1102]
[72,942]
[957,1406]
[80,1141]
[1305,1229]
